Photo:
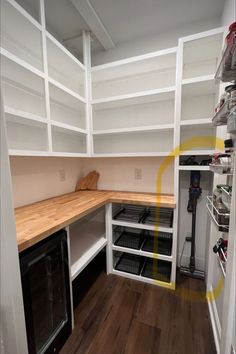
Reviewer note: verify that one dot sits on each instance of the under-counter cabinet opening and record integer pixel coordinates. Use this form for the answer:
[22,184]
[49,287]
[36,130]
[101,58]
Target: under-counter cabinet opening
[119,123]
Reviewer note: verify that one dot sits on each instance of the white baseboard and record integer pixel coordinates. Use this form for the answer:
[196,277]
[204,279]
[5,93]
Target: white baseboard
[215,322]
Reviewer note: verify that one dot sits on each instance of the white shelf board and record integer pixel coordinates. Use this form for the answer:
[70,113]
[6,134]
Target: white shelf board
[143,279]
[134,59]
[67,90]
[194,122]
[14,152]
[142,253]
[21,62]
[68,154]
[198,79]
[194,168]
[22,114]
[142,226]
[144,96]
[132,154]
[68,127]
[197,152]
[84,260]
[134,129]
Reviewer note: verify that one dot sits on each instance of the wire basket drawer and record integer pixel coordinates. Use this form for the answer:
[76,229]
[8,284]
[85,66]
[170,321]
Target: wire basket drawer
[160,243]
[157,269]
[129,263]
[129,237]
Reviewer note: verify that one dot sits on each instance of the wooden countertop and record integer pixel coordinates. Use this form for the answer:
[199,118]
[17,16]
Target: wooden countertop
[37,221]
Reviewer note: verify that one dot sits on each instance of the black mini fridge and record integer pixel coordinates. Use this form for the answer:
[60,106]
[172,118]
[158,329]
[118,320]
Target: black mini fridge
[46,294]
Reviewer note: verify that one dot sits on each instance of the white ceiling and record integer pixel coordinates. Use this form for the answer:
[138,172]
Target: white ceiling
[127,20]
[117,21]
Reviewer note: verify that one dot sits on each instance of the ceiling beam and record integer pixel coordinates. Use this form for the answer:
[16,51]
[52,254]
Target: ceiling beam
[95,24]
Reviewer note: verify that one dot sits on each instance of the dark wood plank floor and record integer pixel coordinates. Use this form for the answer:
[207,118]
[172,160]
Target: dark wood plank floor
[120,316]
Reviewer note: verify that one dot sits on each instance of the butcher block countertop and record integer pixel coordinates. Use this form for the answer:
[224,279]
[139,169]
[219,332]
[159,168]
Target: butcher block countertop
[37,221]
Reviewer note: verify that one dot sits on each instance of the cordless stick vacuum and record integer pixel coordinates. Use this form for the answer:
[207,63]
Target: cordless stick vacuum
[194,193]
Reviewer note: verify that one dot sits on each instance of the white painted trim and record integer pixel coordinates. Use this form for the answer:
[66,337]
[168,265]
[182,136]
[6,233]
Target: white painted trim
[67,90]
[197,79]
[68,127]
[23,12]
[70,281]
[14,152]
[204,34]
[130,154]
[149,128]
[134,95]
[88,90]
[45,67]
[193,168]
[66,51]
[68,154]
[21,62]
[143,279]
[13,331]
[197,152]
[142,253]
[199,122]
[135,59]
[142,226]
[213,324]
[109,256]
[94,22]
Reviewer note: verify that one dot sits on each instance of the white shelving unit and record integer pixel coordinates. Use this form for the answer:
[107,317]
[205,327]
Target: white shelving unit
[44,89]
[134,100]
[137,74]
[115,251]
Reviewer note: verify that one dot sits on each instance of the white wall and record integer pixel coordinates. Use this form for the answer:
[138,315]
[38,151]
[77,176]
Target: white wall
[119,173]
[152,42]
[229,13]
[38,178]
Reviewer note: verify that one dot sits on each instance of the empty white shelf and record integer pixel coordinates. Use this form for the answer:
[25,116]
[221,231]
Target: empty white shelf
[136,111]
[129,77]
[25,134]
[200,56]
[65,68]
[20,36]
[66,109]
[85,254]
[22,90]
[68,141]
[134,142]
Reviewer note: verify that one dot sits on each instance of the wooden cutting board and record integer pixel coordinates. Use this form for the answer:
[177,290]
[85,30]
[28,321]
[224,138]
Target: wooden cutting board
[88,182]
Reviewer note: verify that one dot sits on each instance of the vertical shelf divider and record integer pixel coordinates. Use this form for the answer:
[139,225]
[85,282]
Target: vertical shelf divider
[45,67]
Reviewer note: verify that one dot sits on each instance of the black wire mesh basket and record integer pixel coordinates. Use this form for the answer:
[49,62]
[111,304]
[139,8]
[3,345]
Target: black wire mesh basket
[129,263]
[129,237]
[157,269]
[160,243]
